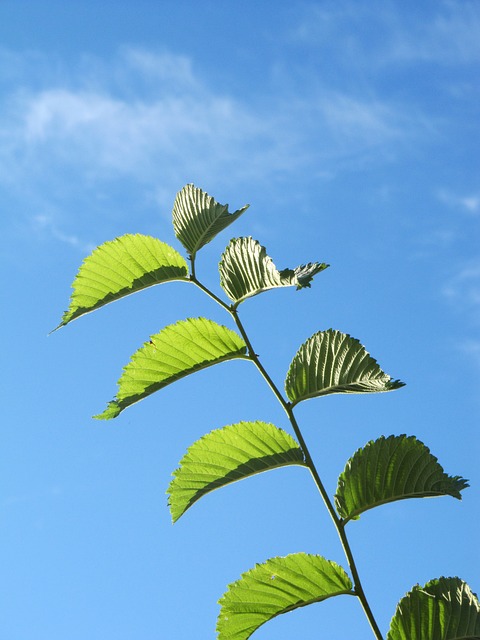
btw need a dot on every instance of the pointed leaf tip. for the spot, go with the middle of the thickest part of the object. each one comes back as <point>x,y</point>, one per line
<point>177,351</point>
<point>390,469</point>
<point>198,218</point>
<point>443,609</point>
<point>279,585</point>
<point>334,362</point>
<point>226,455</point>
<point>246,270</point>
<point>119,268</point>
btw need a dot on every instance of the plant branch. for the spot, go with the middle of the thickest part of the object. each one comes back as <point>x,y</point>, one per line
<point>209,293</point>
<point>339,525</point>
<point>313,470</point>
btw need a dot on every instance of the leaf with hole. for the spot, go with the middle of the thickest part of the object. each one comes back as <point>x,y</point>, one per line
<point>246,270</point>
<point>226,455</point>
<point>444,609</point>
<point>177,351</point>
<point>334,362</point>
<point>120,267</point>
<point>389,469</point>
<point>279,585</point>
<point>198,218</point>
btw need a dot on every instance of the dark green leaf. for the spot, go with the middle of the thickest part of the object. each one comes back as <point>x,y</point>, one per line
<point>227,455</point>
<point>278,586</point>
<point>198,218</point>
<point>389,469</point>
<point>175,352</point>
<point>121,267</point>
<point>334,362</point>
<point>246,270</point>
<point>444,609</point>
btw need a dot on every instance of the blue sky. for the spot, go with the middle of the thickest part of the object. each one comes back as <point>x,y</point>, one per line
<point>352,130</point>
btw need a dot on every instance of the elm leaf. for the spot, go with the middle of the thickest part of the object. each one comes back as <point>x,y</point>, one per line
<point>120,267</point>
<point>246,270</point>
<point>279,585</point>
<point>443,609</point>
<point>198,218</point>
<point>334,362</point>
<point>226,455</point>
<point>389,469</point>
<point>177,351</point>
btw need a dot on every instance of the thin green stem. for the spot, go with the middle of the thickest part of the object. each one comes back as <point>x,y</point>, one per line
<point>338,522</point>
<point>313,470</point>
<point>209,293</point>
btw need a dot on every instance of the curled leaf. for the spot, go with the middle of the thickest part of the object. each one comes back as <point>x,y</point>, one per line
<point>443,609</point>
<point>334,362</point>
<point>246,270</point>
<point>389,469</point>
<point>198,218</point>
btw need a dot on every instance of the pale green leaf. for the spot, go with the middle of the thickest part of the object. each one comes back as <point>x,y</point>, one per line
<point>246,270</point>
<point>444,609</point>
<point>227,455</point>
<point>198,218</point>
<point>177,351</point>
<point>120,267</point>
<point>334,362</point>
<point>278,586</point>
<point>389,469</point>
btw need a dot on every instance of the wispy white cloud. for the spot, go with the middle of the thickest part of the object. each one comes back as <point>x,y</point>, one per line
<point>472,349</point>
<point>167,117</point>
<point>463,289</point>
<point>43,224</point>
<point>469,203</point>
<point>150,118</point>
<point>446,35</point>
<point>451,37</point>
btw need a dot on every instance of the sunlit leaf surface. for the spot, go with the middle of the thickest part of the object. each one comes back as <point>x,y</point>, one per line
<point>177,351</point>
<point>334,362</point>
<point>227,455</point>
<point>444,609</point>
<point>278,586</point>
<point>246,270</point>
<point>120,267</point>
<point>389,469</point>
<point>198,218</point>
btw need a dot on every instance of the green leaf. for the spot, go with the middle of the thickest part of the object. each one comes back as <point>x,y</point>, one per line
<point>278,586</point>
<point>198,218</point>
<point>178,350</point>
<point>389,469</point>
<point>120,267</point>
<point>334,362</point>
<point>227,455</point>
<point>444,609</point>
<point>246,270</point>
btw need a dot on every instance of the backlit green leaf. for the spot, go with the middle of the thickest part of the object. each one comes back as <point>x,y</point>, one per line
<point>389,469</point>
<point>246,270</point>
<point>444,609</point>
<point>120,267</point>
<point>278,586</point>
<point>334,362</point>
<point>198,218</point>
<point>178,350</point>
<point>227,455</point>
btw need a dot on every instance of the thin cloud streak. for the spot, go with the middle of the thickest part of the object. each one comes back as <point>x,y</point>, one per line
<point>449,37</point>
<point>175,121</point>
<point>469,203</point>
<point>463,289</point>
